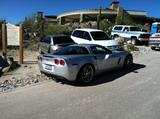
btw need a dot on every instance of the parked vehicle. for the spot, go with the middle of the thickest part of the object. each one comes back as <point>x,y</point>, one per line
<point>81,62</point>
<point>155,28</point>
<point>154,41</point>
<point>53,42</point>
<point>94,36</point>
<point>131,33</point>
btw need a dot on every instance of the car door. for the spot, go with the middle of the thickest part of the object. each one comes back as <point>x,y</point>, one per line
<point>105,60</point>
<point>125,32</point>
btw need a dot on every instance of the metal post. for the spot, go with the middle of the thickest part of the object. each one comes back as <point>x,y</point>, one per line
<point>4,44</point>
<point>21,37</point>
<point>99,18</point>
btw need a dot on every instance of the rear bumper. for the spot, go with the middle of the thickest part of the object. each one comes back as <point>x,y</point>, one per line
<point>154,44</point>
<point>69,73</point>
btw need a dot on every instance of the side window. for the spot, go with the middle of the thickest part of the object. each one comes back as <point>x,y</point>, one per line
<point>77,51</point>
<point>119,28</point>
<point>86,36</point>
<point>126,29</point>
<point>100,50</point>
<point>78,33</point>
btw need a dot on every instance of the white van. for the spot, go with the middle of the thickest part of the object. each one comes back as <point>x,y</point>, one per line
<point>94,36</point>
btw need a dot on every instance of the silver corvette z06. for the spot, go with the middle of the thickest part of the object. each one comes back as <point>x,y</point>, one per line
<point>81,62</point>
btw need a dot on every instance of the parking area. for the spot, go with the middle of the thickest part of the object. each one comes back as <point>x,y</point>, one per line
<point>128,94</point>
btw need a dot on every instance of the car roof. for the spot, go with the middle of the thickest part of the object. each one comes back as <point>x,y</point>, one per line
<point>124,26</point>
<point>60,35</point>
<point>88,29</point>
<point>85,45</point>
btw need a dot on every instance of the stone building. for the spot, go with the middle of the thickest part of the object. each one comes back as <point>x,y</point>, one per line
<point>106,13</point>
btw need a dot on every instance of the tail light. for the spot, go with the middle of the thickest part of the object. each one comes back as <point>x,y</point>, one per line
<point>57,62</point>
<point>39,58</point>
<point>62,62</point>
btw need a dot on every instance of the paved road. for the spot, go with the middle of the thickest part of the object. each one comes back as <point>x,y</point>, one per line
<point>133,94</point>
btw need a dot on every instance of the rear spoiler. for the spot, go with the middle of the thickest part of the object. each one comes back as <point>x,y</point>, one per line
<point>48,55</point>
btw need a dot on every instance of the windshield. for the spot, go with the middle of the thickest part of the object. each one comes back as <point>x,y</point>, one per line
<point>135,29</point>
<point>100,35</point>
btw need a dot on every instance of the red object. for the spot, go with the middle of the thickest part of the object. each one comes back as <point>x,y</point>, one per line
<point>39,58</point>
<point>154,37</point>
<point>56,61</point>
<point>62,62</point>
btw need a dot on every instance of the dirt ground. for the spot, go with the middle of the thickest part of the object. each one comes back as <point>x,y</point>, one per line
<point>29,67</point>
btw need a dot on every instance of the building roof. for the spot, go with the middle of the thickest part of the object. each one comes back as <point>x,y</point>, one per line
<point>51,16</point>
<point>103,11</point>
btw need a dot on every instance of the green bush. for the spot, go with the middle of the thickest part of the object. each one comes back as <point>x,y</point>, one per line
<point>55,29</point>
<point>125,20</point>
<point>106,25</point>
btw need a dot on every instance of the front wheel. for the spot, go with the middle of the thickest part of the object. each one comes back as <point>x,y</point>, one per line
<point>86,74</point>
<point>134,41</point>
<point>128,61</point>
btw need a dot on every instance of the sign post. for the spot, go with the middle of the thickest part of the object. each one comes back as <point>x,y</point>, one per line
<point>21,38</point>
<point>4,44</point>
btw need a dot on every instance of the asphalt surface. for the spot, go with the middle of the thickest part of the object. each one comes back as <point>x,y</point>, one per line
<point>120,94</point>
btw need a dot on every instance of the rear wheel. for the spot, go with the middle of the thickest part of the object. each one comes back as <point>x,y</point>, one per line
<point>128,61</point>
<point>86,74</point>
<point>153,48</point>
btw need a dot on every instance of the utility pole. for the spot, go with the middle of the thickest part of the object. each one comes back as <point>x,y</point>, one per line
<point>4,41</point>
<point>21,38</point>
<point>99,18</point>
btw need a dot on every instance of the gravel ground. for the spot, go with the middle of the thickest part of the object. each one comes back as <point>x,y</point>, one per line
<point>25,75</point>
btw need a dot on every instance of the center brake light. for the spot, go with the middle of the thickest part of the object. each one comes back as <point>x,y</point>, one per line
<point>57,62</point>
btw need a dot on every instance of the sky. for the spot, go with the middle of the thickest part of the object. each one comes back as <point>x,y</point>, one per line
<point>14,11</point>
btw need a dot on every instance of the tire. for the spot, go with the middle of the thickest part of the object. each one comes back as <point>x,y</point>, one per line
<point>128,62</point>
<point>153,48</point>
<point>86,74</point>
<point>134,41</point>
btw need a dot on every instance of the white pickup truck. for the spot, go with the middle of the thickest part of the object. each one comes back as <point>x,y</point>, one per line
<point>131,33</point>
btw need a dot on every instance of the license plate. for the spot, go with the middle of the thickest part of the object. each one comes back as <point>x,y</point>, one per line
<point>48,67</point>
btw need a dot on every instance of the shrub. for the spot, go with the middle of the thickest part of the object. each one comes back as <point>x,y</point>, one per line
<point>55,29</point>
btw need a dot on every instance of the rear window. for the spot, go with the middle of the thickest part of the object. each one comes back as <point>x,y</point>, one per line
<point>62,40</point>
<point>100,35</point>
<point>118,28</point>
<point>46,40</point>
<point>72,50</point>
